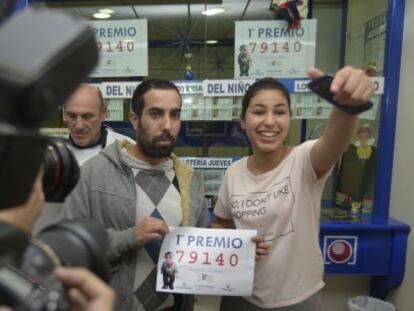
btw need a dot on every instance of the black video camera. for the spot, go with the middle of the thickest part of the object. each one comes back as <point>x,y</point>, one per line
<point>44,56</point>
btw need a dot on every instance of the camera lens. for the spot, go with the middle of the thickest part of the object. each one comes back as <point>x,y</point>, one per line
<point>30,284</point>
<point>21,155</point>
<point>78,244</point>
<point>61,170</point>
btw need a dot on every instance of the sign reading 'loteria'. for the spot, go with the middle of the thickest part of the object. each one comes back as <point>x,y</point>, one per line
<point>200,162</point>
<point>189,87</point>
<point>270,49</point>
<point>123,48</point>
<point>207,261</point>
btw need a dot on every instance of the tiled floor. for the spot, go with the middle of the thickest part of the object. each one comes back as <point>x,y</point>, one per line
<point>207,303</point>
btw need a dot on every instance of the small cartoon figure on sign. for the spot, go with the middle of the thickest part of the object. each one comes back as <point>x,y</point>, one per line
<point>244,60</point>
<point>168,270</point>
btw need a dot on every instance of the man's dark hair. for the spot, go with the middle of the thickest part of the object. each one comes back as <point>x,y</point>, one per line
<point>259,85</point>
<point>138,103</point>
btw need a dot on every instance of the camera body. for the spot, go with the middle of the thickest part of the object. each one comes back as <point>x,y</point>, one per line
<point>46,57</point>
<point>37,74</point>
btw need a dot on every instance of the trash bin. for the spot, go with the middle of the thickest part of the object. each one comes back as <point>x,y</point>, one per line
<point>364,303</point>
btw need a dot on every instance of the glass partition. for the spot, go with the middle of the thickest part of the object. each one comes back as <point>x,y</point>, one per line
<point>185,44</point>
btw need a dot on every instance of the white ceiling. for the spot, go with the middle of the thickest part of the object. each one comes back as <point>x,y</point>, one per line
<point>170,22</point>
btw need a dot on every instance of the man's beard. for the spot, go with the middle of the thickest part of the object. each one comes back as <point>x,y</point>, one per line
<point>151,148</point>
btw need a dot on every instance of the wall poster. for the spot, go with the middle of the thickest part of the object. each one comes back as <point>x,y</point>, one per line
<point>270,49</point>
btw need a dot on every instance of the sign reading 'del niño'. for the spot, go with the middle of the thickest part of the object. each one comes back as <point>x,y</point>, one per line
<point>123,48</point>
<point>207,261</point>
<point>222,88</point>
<point>270,49</point>
<point>126,89</point>
<point>117,89</point>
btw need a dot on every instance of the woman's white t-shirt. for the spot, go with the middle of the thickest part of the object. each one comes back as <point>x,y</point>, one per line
<point>284,206</point>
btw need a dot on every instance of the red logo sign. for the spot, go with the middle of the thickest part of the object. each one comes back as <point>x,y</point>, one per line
<point>340,251</point>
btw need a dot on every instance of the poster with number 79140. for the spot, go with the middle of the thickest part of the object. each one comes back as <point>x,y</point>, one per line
<point>207,261</point>
<point>271,49</point>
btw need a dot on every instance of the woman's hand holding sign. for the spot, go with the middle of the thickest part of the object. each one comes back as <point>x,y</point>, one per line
<point>262,246</point>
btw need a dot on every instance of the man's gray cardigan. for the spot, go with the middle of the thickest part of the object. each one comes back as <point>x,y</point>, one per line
<point>106,193</point>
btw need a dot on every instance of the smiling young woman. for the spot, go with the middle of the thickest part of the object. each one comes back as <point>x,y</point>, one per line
<point>288,180</point>
<point>266,120</point>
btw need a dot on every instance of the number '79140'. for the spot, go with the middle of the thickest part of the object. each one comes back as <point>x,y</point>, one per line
<point>275,47</point>
<point>204,258</point>
<point>120,46</point>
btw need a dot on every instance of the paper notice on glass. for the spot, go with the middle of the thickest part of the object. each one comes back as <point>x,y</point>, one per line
<point>122,46</point>
<point>55,132</point>
<point>270,49</point>
<point>207,261</point>
<point>115,109</point>
<point>371,113</point>
<point>187,101</point>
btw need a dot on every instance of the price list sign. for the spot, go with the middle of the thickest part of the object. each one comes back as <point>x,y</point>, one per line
<point>270,49</point>
<point>207,261</point>
<point>123,48</point>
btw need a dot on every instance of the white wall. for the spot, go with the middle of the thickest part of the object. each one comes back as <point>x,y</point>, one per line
<point>339,289</point>
<point>402,203</point>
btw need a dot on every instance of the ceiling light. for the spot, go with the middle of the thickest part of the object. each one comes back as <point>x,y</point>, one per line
<point>101,15</point>
<point>106,11</point>
<point>213,11</point>
<point>211,42</point>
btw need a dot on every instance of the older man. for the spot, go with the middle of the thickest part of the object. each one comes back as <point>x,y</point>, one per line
<point>85,111</point>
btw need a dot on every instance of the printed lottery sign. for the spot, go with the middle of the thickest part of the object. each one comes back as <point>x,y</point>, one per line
<point>207,261</point>
<point>270,49</point>
<point>123,48</point>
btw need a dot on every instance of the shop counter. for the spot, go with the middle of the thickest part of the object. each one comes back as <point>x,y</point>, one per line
<point>370,246</point>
